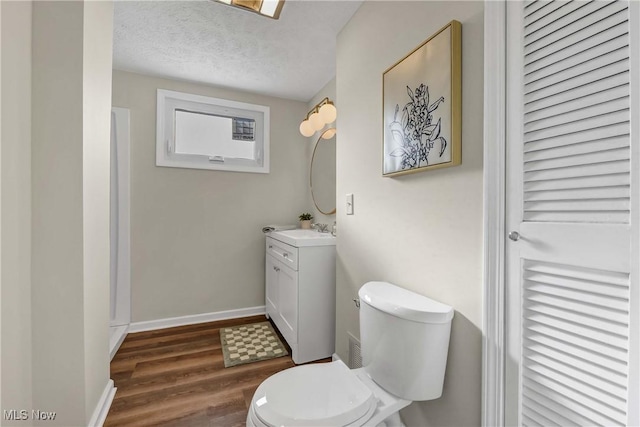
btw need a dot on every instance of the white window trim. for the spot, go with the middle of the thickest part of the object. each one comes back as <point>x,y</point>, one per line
<point>164,143</point>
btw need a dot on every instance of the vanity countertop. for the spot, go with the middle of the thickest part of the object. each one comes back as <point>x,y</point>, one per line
<point>300,238</point>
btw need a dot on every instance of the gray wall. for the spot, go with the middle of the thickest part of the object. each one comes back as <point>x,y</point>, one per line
<point>16,206</point>
<point>71,97</point>
<point>421,231</point>
<point>196,244</point>
<point>96,186</point>
<point>56,99</point>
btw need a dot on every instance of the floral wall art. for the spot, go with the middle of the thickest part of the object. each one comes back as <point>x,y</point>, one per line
<point>422,106</point>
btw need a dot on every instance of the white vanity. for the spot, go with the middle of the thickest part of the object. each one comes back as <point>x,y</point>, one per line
<point>301,291</point>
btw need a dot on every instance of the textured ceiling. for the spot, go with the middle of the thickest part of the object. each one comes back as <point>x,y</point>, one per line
<point>212,43</point>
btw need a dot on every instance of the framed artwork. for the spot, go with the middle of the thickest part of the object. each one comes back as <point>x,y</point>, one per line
<point>422,97</point>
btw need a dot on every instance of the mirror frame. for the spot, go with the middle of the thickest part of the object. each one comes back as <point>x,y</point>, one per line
<point>332,212</point>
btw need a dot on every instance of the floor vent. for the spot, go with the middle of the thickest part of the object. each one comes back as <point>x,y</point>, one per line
<point>355,355</point>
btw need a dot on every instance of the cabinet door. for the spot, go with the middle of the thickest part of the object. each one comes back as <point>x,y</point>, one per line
<point>288,302</point>
<point>271,291</point>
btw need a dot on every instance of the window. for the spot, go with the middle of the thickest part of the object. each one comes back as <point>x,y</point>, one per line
<point>200,132</point>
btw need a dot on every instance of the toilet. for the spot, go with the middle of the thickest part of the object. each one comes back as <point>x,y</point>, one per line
<point>404,344</point>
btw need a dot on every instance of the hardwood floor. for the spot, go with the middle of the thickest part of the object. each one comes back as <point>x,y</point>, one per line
<point>176,377</point>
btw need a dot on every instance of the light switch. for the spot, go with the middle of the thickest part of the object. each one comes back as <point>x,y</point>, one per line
<point>349,204</point>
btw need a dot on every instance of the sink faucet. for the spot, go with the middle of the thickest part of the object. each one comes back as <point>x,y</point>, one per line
<point>321,228</point>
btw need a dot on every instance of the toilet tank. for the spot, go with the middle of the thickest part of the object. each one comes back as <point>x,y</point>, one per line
<point>404,340</point>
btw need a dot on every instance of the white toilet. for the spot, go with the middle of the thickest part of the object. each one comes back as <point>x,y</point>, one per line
<point>405,340</point>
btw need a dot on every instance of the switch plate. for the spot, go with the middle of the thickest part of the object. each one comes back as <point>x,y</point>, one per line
<point>349,204</point>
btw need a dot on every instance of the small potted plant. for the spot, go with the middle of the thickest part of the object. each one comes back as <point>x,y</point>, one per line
<point>305,220</point>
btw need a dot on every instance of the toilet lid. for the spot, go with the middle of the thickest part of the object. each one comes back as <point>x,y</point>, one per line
<point>319,394</point>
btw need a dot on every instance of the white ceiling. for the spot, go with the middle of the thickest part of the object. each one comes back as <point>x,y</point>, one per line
<point>209,42</point>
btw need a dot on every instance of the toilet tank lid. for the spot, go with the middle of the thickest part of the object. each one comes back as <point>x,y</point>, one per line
<point>404,304</point>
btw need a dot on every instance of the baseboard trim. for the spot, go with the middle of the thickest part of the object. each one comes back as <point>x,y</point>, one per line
<point>104,404</point>
<point>151,325</point>
<point>117,336</point>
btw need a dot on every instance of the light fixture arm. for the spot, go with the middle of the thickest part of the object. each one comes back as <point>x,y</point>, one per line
<point>317,107</point>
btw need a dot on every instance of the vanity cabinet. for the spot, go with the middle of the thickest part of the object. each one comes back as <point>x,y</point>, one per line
<point>300,296</point>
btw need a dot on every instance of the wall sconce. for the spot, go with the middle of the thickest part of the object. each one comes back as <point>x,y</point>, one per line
<point>322,114</point>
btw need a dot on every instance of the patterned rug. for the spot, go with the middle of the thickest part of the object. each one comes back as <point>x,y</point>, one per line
<point>250,343</point>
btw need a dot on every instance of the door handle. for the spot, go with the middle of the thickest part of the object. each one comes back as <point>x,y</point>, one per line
<point>514,235</point>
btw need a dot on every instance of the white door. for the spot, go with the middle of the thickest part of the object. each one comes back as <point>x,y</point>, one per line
<point>572,304</point>
<point>288,302</point>
<point>120,218</point>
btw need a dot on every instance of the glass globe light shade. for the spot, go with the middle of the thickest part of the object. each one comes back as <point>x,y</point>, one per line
<point>328,113</point>
<point>329,133</point>
<point>306,129</point>
<point>316,121</point>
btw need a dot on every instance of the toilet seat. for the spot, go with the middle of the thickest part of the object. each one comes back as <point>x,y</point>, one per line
<point>320,394</point>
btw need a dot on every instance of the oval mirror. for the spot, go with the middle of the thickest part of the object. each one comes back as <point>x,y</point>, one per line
<point>322,177</point>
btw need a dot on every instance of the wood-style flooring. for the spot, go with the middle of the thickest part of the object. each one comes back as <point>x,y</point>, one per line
<point>176,377</point>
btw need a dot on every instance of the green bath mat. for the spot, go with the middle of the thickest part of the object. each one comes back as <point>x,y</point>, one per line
<point>250,343</point>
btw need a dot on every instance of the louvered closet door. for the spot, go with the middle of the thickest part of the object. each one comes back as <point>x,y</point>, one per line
<point>571,297</point>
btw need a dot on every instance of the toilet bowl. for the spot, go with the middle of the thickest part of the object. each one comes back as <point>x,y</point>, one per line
<point>328,394</point>
<point>405,339</point>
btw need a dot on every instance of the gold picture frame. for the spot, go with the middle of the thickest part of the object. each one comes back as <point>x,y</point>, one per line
<point>422,106</point>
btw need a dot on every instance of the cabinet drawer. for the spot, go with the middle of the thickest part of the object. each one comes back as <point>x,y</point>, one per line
<point>281,251</point>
